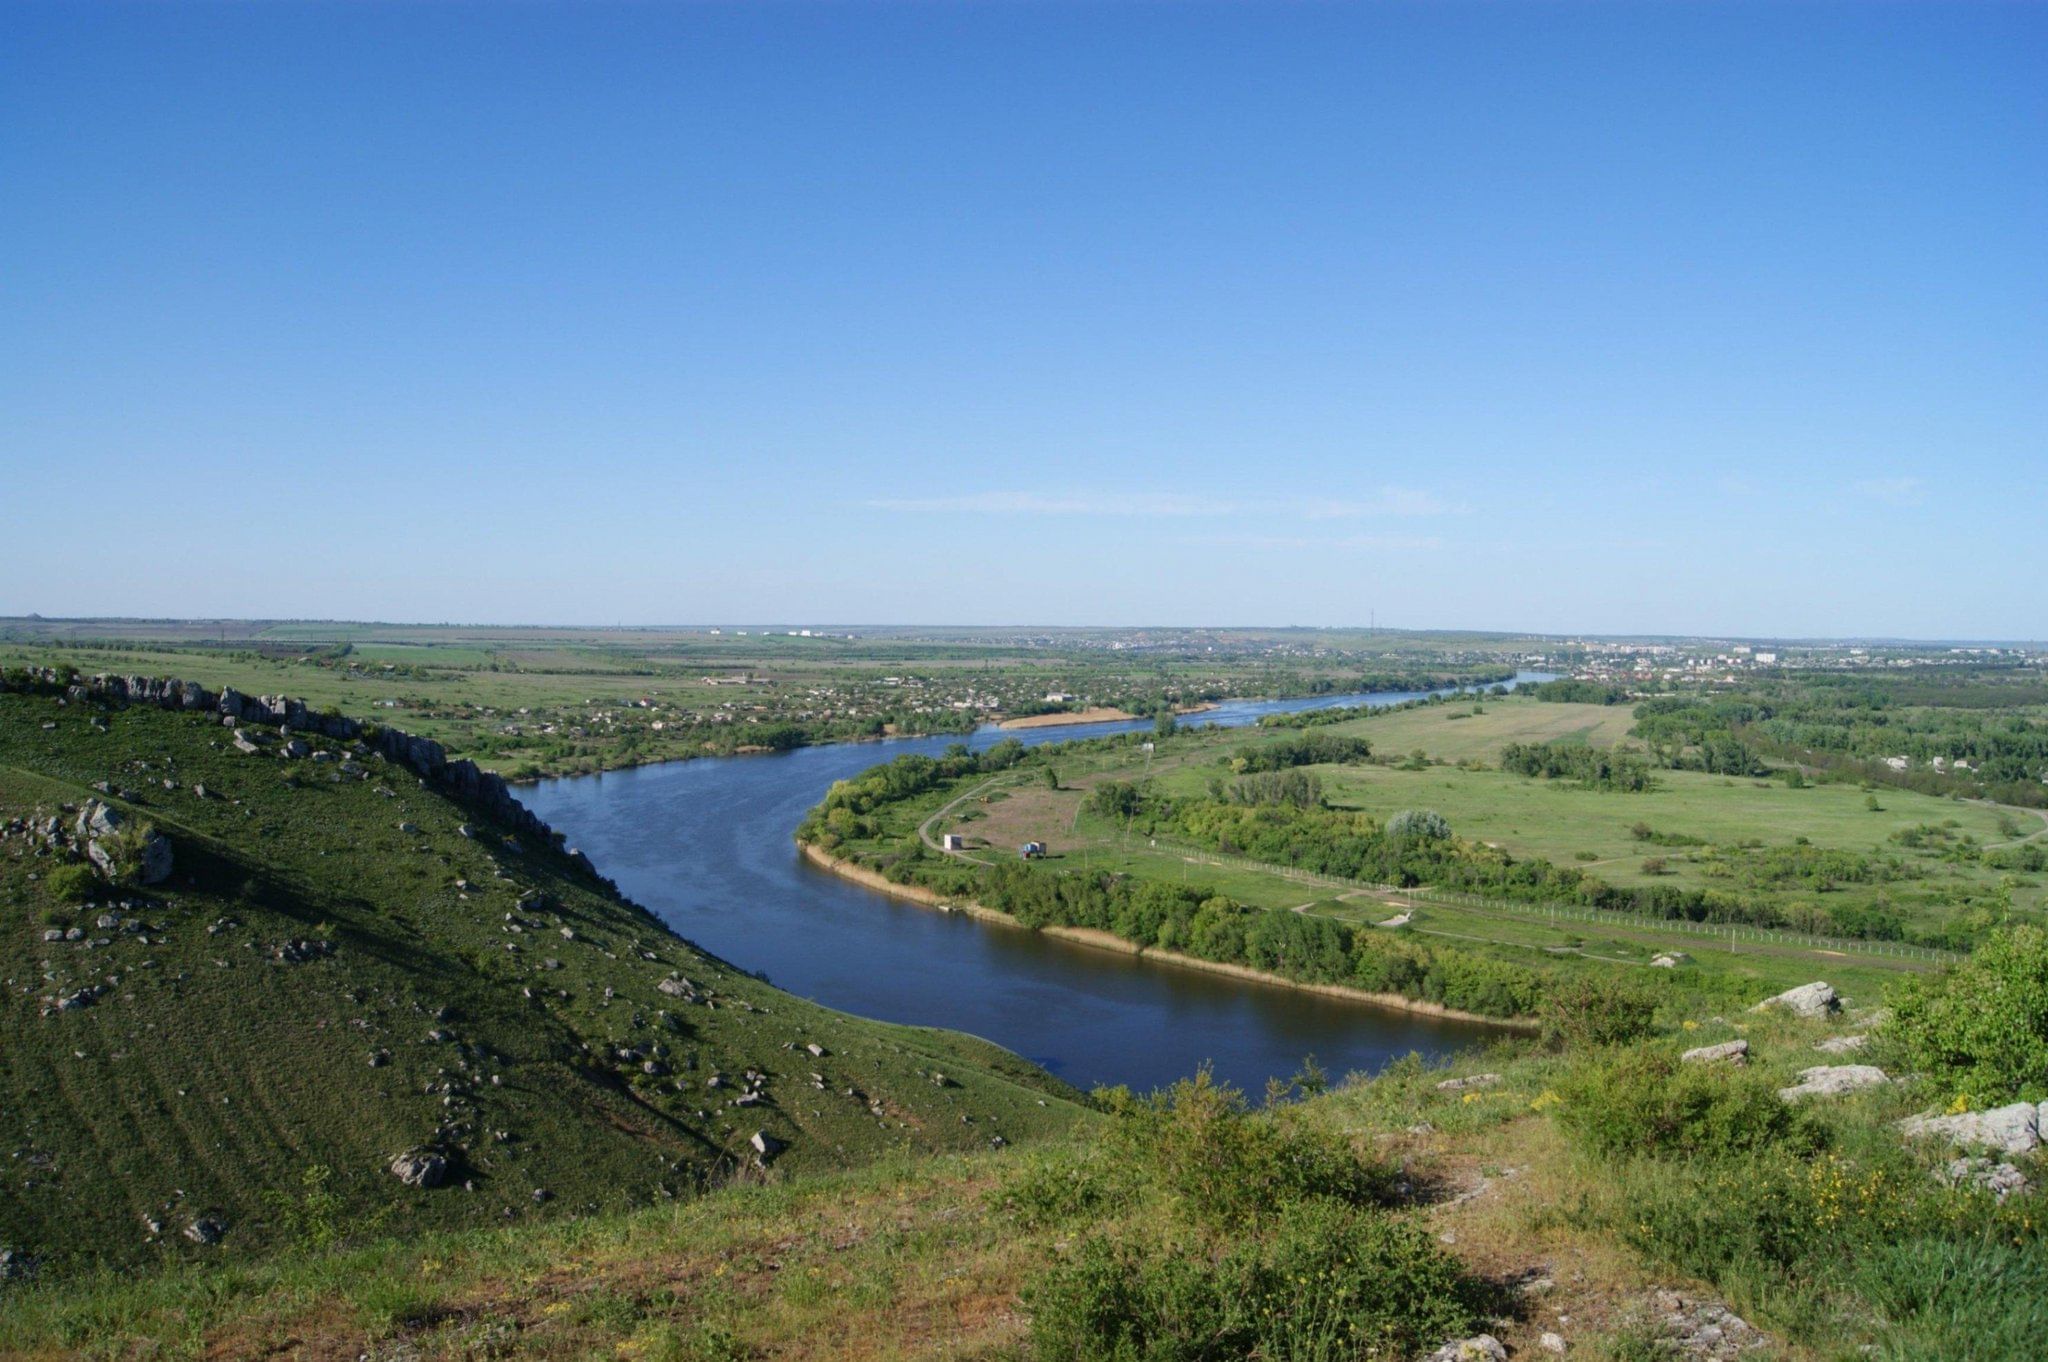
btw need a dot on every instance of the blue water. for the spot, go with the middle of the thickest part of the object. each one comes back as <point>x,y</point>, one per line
<point>706,845</point>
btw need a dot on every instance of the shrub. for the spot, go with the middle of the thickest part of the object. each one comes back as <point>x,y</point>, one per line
<point>1581,1010</point>
<point>1644,1102</point>
<point>73,882</point>
<point>1331,1282</point>
<point>1060,1186</point>
<point>1982,1025</point>
<point>1422,825</point>
<point>1228,1165</point>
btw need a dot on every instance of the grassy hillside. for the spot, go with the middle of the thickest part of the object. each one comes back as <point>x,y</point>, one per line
<point>346,964</point>
<point>1371,1221</point>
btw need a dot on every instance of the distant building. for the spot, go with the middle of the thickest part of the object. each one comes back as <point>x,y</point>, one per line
<point>953,841</point>
<point>1032,851</point>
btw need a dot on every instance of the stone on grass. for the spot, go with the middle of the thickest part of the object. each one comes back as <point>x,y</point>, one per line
<point>1825,1080</point>
<point>1808,1000</point>
<point>1474,1081</point>
<point>1842,1045</point>
<point>2014,1129</point>
<point>420,1168</point>
<point>1728,1052</point>
<point>2000,1179</point>
<point>1478,1348</point>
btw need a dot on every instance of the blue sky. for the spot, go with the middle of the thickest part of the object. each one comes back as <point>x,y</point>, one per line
<point>1616,317</point>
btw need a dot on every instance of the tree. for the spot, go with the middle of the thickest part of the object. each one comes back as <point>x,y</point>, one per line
<point>1052,779</point>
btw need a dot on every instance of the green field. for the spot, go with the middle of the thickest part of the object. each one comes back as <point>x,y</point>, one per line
<point>1814,854</point>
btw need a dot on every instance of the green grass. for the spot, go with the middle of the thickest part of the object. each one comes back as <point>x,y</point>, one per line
<point>211,1076</point>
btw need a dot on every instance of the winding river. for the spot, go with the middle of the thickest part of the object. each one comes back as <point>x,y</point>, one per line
<point>706,845</point>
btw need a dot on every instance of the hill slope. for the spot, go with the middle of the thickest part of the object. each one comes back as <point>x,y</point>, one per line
<point>350,962</point>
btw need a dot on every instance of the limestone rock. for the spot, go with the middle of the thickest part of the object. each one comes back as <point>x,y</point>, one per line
<point>1825,1080</point>
<point>1473,1081</point>
<point>1478,1348</point>
<point>766,1146</point>
<point>1705,1329</point>
<point>2000,1179</point>
<point>1842,1045</point>
<point>206,1229</point>
<point>1728,1052</point>
<point>420,1168</point>
<point>2014,1129</point>
<point>1808,1000</point>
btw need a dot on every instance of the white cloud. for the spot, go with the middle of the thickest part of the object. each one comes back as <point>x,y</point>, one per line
<point>1388,501</point>
<point>1893,491</point>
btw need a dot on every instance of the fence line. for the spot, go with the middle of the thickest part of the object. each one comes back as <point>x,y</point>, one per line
<point>1572,912</point>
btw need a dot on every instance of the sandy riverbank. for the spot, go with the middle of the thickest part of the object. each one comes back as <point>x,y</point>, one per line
<point>1100,940</point>
<point>1094,714</point>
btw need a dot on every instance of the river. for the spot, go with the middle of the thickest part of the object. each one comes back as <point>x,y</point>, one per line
<point>706,845</point>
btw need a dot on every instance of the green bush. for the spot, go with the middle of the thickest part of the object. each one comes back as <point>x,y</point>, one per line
<point>72,883</point>
<point>1331,1282</point>
<point>1230,1166</point>
<point>1981,1026</point>
<point>1060,1186</point>
<point>1642,1102</point>
<point>1581,1010</point>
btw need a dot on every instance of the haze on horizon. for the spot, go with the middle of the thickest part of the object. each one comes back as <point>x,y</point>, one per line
<point>1724,320</point>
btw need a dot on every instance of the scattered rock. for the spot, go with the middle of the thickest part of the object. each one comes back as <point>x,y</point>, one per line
<point>1479,1348</point>
<point>2000,1179</point>
<point>1833,1080</point>
<point>1705,1329</point>
<point>206,1229</point>
<point>1551,1343</point>
<point>1728,1051</point>
<point>766,1146</point>
<point>2014,1129</point>
<point>1842,1045</point>
<point>1808,1000</point>
<point>1668,960</point>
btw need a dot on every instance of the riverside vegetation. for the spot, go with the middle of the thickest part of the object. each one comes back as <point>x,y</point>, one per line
<point>1645,1178</point>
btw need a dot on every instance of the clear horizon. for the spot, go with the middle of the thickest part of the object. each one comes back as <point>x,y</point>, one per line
<point>1726,320</point>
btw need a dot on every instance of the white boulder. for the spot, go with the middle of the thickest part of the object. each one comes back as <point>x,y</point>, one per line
<point>1824,1080</point>
<point>2014,1129</point>
<point>1808,1000</point>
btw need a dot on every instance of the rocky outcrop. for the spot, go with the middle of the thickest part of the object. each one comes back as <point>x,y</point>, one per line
<point>1808,1000</point>
<point>420,1168</point>
<point>2014,1129</point>
<point>1478,1348</point>
<point>423,756</point>
<point>99,829</point>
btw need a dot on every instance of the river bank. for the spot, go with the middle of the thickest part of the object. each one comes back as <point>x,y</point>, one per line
<point>1061,718</point>
<point>1107,941</point>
